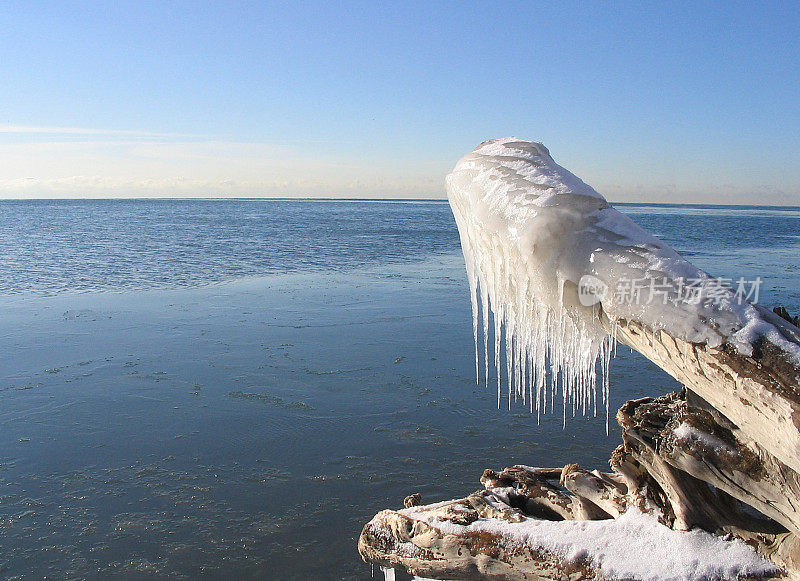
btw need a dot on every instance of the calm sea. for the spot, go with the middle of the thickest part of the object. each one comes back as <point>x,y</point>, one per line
<point>231,389</point>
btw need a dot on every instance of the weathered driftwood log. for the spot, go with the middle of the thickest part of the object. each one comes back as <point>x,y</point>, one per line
<point>758,395</point>
<point>686,440</point>
<point>723,456</point>
<point>655,430</point>
<point>534,494</point>
<point>605,491</point>
<point>410,542</point>
<point>698,473</point>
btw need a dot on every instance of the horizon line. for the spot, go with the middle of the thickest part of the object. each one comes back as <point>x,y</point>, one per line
<point>357,199</point>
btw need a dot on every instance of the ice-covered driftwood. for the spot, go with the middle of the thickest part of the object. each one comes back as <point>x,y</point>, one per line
<point>532,523</point>
<point>677,467</point>
<point>556,267</point>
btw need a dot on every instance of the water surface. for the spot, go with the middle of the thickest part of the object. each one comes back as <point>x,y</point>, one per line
<point>231,389</point>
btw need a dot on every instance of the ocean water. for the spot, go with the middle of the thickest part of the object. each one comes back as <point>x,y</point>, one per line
<point>231,389</point>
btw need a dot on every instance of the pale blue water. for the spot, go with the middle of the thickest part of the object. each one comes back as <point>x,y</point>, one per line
<point>121,245</point>
<point>231,389</point>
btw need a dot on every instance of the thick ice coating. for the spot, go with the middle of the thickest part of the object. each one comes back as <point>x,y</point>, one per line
<point>545,253</point>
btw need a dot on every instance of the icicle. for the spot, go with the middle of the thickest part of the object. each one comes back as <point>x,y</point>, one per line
<point>508,326</point>
<point>485,308</point>
<point>497,313</point>
<point>473,295</point>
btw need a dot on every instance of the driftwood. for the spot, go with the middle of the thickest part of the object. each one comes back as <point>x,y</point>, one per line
<point>392,539</point>
<point>396,540</point>
<point>723,455</point>
<point>758,395</point>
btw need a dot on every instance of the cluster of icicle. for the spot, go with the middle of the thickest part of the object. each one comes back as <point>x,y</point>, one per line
<point>530,232</point>
<point>515,280</point>
<point>540,350</point>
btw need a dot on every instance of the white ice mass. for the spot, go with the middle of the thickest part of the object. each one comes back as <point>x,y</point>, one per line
<point>538,242</point>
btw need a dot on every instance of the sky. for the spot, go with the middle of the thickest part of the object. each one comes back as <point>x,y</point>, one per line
<point>647,102</point>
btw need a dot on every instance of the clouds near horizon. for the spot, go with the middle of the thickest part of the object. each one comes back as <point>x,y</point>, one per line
<point>153,167</point>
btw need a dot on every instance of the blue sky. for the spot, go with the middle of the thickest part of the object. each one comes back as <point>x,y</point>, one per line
<point>646,102</point>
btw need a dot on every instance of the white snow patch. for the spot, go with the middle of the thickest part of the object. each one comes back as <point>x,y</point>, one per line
<point>634,546</point>
<point>530,230</point>
<point>689,433</point>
